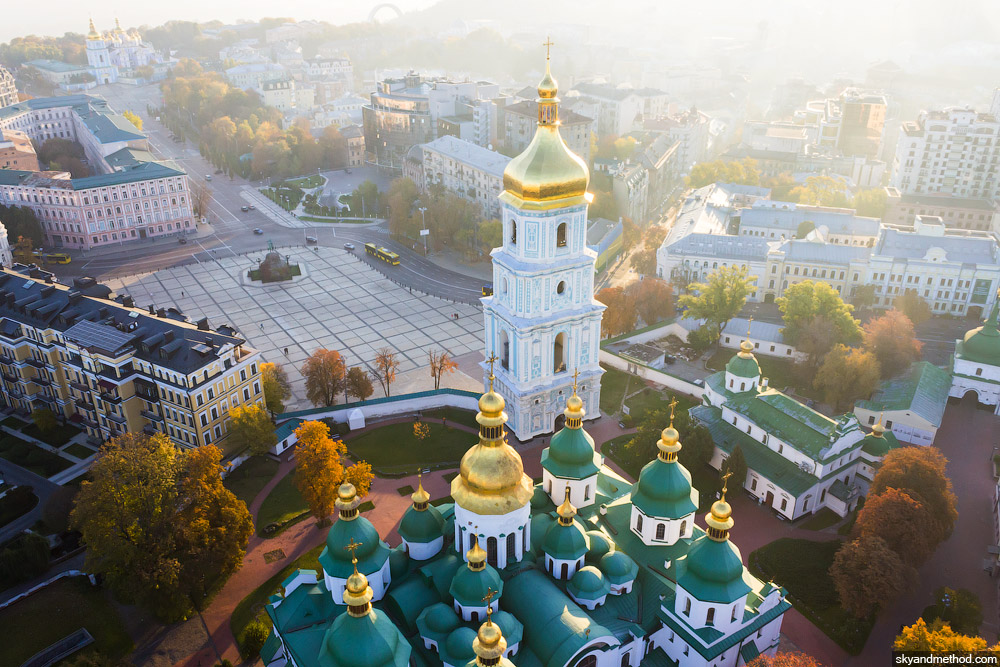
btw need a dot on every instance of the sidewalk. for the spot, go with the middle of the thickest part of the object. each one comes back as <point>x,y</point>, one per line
<point>448,259</point>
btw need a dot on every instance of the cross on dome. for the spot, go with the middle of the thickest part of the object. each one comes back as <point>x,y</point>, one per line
<point>672,404</point>
<point>353,547</point>
<point>547,43</point>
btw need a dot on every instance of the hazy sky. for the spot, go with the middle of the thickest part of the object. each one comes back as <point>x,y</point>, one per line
<point>58,16</point>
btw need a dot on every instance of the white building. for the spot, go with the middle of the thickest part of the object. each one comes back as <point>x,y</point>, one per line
<point>910,405</point>
<point>6,259</point>
<point>466,170</point>
<point>619,109</point>
<point>252,76</point>
<point>8,91</point>
<point>951,152</point>
<point>115,53</point>
<point>542,322</point>
<point>976,366</point>
<point>773,219</point>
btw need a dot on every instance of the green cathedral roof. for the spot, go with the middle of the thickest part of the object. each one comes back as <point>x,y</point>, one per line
<point>588,583</point>
<point>712,571</point>
<point>372,554</point>
<point>571,455</point>
<point>565,542</point>
<point>743,367</point>
<point>982,345</point>
<point>469,587</point>
<point>421,527</point>
<point>369,641</point>
<point>457,648</point>
<point>618,567</point>
<point>664,490</point>
<point>600,544</point>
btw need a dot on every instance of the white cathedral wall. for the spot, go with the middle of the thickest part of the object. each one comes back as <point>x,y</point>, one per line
<point>606,648</point>
<point>425,550</point>
<point>554,566</point>
<point>493,525</point>
<point>988,393</point>
<point>581,491</point>
<point>674,529</point>
<point>379,582</point>
<point>697,617</point>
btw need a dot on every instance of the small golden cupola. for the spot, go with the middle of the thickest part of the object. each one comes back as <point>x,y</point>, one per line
<point>489,643</point>
<point>357,593</point>
<point>491,478</point>
<point>93,34</point>
<point>547,174</point>
<point>720,518</point>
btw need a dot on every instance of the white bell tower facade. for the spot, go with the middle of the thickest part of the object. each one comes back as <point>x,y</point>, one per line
<point>542,321</point>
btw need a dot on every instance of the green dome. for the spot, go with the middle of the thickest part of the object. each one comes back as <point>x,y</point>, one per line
<point>421,527</point>
<point>457,649</point>
<point>469,587</point>
<point>370,641</point>
<point>619,568</point>
<point>743,367</point>
<point>600,544</point>
<point>588,584</point>
<point>439,618</point>
<point>399,562</point>
<point>879,446</point>
<point>571,455</point>
<point>372,554</point>
<point>712,571</point>
<point>982,345</point>
<point>539,500</point>
<point>511,628</point>
<point>565,542</point>
<point>664,491</point>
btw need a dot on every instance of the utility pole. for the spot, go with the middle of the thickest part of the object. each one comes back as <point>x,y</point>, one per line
<point>423,231</point>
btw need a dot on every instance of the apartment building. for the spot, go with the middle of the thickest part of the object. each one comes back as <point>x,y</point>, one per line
<point>618,108</point>
<point>8,91</point>
<point>954,152</point>
<point>254,75</point>
<point>465,169</point>
<point>519,121</point>
<point>355,136</point>
<point>690,129</point>
<point>102,363</point>
<point>956,212</point>
<point>16,151</point>
<point>853,123</point>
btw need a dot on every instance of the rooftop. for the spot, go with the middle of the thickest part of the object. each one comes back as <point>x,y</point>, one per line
<point>722,246</point>
<point>529,109</point>
<point>954,246</point>
<point>788,216</point>
<point>922,389</point>
<point>470,154</point>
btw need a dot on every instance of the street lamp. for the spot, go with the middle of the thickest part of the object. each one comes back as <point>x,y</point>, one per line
<point>423,231</point>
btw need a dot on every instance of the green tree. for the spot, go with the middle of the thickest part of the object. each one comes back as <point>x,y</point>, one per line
<point>960,609</point>
<point>401,197</point>
<point>892,340</point>
<point>816,339</point>
<point>644,261</point>
<point>805,300</point>
<point>870,203</point>
<point>847,374</point>
<point>696,440</point>
<point>864,297</point>
<point>21,222</point>
<point>741,172</point>
<point>365,199</point>
<point>254,636</point>
<point>820,191</point>
<point>913,306</point>
<point>804,228</point>
<point>736,463</point>
<point>703,338</point>
<point>868,574</point>
<point>250,427</point>
<point>277,390</point>
<point>359,383</point>
<point>490,235</point>
<point>921,472</point>
<point>44,419</point>
<point>720,299</point>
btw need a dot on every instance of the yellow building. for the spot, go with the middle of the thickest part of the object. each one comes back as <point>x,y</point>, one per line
<point>109,367</point>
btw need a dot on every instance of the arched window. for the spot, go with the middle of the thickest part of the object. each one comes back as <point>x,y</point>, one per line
<point>588,661</point>
<point>558,354</point>
<point>638,523</point>
<point>461,541</point>
<point>735,608</point>
<point>504,350</point>
<point>684,525</point>
<point>710,617</point>
<point>564,571</point>
<point>511,547</point>
<point>586,492</point>
<point>491,551</point>
<point>625,659</point>
<point>661,530</point>
<point>475,617</point>
<point>561,235</point>
<point>513,232</point>
<point>687,607</point>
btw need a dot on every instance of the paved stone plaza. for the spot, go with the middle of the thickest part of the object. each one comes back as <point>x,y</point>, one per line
<point>342,305</point>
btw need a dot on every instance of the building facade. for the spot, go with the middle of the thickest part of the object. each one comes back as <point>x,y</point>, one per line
<point>956,212</point>
<point>619,109</point>
<point>117,52</point>
<point>466,170</point>
<point>853,123</point>
<point>355,137</point>
<point>16,151</point>
<point>111,368</point>
<point>542,321</point>
<point>518,122</point>
<point>976,364</point>
<point>8,91</point>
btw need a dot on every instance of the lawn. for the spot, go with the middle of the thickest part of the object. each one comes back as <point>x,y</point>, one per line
<point>650,399</point>
<point>824,518</point>
<point>252,606</point>
<point>31,457</point>
<point>781,373</point>
<point>284,506</point>
<point>13,422</point>
<point>56,611</point>
<point>307,182</point>
<point>802,567</point>
<point>58,437</point>
<point>247,480</point>
<point>614,384</point>
<point>393,449</point>
<point>454,415</point>
<point>79,451</point>
<point>17,502</point>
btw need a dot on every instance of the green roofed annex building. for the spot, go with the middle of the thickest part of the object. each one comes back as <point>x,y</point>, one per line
<point>798,460</point>
<point>911,405</point>
<point>629,579</point>
<point>976,365</point>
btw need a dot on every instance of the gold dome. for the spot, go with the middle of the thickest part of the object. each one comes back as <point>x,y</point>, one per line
<point>347,502</point>
<point>720,517</point>
<point>491,405</point>
<point>566,511</point>
<point>489,643</point>
<point>669,443</point>
<point>357,594</point>
<point>547,174</point>
<point>475,555</point>
<point>93,34</point>
<point>420,497</point>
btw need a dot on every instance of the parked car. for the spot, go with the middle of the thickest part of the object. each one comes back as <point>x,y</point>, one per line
<point>252,207</point>
<point>312,239</point>
<point>348,246</point>
<point>244,208</point>
<point>208,177</point>
<point>699,382</point>
<point>258,231</point>
<point>182,240</point>
<point>669,358</point>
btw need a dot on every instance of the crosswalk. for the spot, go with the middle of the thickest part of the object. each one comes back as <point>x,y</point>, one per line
<point>275,213</point>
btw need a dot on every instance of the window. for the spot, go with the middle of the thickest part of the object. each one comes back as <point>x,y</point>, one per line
<point>513,232</point>
<point>511,546</point>
<point>732,619</point>
<point>561,235</point>
<point>661,530</point>
<point>979,371</point>
<point>491,551</point>
<point>710,616</point>
<point>753,484</point>
<point>558,352</point>
<point>687,606</point>
<point>504,350</point>
<point>784,504</point>
<point>888,424</point>
<point>684,525</point>
<point>638,523</point>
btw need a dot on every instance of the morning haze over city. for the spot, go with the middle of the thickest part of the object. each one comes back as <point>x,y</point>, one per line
<point>466,334</point>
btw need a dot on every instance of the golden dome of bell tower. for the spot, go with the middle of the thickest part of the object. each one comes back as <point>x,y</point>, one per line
<point>547,174</point>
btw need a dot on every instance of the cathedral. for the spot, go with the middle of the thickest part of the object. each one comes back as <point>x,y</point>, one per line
<point>116,53</point>
<point>582,569</point>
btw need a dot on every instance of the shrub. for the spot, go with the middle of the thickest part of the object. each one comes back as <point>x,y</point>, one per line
<point>254,636</point>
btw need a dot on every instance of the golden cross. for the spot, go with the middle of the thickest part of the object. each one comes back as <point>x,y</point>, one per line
<point>749,324</point>
<point>576,374</point>
<point>490,594</point>
<point>673,404</point>
<point>353,546</point>
<point>547,43</point>
<point>725,483</point>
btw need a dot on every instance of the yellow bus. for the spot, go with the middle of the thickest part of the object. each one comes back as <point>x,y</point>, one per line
<point>384,254</point>
<point>53,257</point>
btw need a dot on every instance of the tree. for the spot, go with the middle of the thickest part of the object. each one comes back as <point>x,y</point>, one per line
<point>742,172</point>
<point>804,228</point>
<point>937,637</point>
<point>364,199</point>
<point>319,470</point>
<point>913,306</point>
<point>785,660</point>
<point>654,299</point>
<point>696,441</point>
<point>360,475</point>
<point>619,317</point>
<point>201,195</point>
<point>250,427</point>
<point>920,471</point>
<point>21,222</point>
<point>892,340</point>
<point>56,511</point>
<point>254,636</point>
<point>816,339</point>
<point>819,191</point>
<point>158,524</point>
<point>805,300</point>
<point>703,338</point>
<point>868,574</point>
<point>902,521</point>
<point>870,203</point>
<point>277,390</point>
<point>440,363</point>
<point>44,419</point>
<point>421,431</point>
<point>960,609</point>
<point>736,463</point>
<point>644,261</point>
<point>385,368</point>
<point>359,383</point>
<point>23,251</point>
<point>720,299</point>
<point>133,118</point>
<point>401,196</point>
<point>324,374</point>
<point>864,297</point>
<point>846,375</point>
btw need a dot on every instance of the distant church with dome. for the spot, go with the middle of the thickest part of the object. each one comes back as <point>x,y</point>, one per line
<point>115,53</point>
<point>581,570</point>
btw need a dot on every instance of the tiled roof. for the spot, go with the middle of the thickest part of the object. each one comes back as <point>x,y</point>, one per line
<point>898,244</point>
<point>785,418</point>
<point>922,389</point>
<point>788,216</point>
<point>743,248</point>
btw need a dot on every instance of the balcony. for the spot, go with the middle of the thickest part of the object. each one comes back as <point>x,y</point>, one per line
<point>41,380</point>
<point>111,398</point>
<point>80,387</point>
<point>116,418</point>
<point>84,404</point>
<point>153,416</point>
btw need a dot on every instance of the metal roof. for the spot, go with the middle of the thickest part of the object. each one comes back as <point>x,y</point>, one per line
<point>922,389</point>
<point>102,337</point>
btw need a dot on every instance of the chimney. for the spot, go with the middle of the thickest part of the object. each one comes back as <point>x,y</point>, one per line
<point>162,312</point>
<point>763,383</point>
<point>203,324</point>
<point>128,302</point>
<point>152,309</point>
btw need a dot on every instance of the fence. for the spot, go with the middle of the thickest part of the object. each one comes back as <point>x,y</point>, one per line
<point>651,374</point>
<point>35,589</point>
